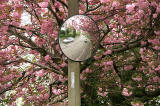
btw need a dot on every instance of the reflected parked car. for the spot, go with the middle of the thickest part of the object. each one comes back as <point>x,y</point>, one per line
<point>68,40</point>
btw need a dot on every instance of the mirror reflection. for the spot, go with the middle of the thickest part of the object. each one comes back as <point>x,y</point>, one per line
<point>78,37</point>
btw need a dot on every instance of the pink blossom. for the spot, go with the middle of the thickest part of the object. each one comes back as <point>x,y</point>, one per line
<point>43,4</point>
<point>143,43</point>
<point>155,15</point>
<point>63,64</point>
<point>128,67</point>
<point>61,78</point>
<point>106,21</point>
<point>97,57</point>
<point>21,93</point>
<point>121,20</point>
<point>40,41</point>
<point>142,4</point>
<point>47,58</point>
<point>107,68</point>
<point>156,47</point>
<point>9,77</point>
<point>56,92</point>
<point>154,41</point>
<point>108,52</point>
<point>3,16</point>
<point>105,1</point>
<point>154,4</point>
<point>125,92</point>
<point>13,47</point>
<point>104,63</point>
<point>57,67</point>
<point>34,97</point>
<point>29,98</point>
<point>4,29</point>
<point>18,6</point>
<point>102,94</point>
<point>57,4</point>
<point>137,104</point>
<point>138,33</point>
<point>141,51</point>
<point>47,26</point>
<point>150,63</point>
<point>110,63</point>
<point>100,89</point>
<point>40,87</point>
<point>15,23</point>
<point>82,77</point>
<point>128,20</point>
<point>156,79</point>
<point>99,93</point>
<point>16,0</point>
<point>53,35</point>
<point>130,7</point>
<point>45,96</point>
<point>16,15</point>
<point>137,78</point>
<point>140,13</point>
<point>115,4</point>
<point>2,1</point>
<point>158,68</point>
<point>8,85</point>
<point>43,10</point>
<point>87,70</point>
<point>57,48</point>
<point>102,75</point>
<point>0,72</point>
<point>158,10</point>
<point>105,93</point>
<point>157,32</point>
<point>40,73</point>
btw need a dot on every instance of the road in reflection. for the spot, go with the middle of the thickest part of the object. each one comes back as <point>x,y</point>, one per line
<point>79,49</point>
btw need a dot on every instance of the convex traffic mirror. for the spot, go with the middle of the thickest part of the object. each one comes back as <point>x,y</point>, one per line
<point>78,37</point>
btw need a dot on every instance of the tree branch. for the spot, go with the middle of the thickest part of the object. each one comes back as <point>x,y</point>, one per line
<point>116,69</point>
<point>59,21</point>
<point>27,40</point>
<point>92,9</point>
<point>42,66</point>
<point>10,88</point>
<point>63,3</point>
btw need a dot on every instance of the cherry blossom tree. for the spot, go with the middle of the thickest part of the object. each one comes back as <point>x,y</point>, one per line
<point>125,70</point>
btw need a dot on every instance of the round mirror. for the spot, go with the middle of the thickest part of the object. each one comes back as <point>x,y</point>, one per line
<point>78,37</point>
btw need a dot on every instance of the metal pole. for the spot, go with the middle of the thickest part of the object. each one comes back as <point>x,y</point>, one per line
<point>74,98</point>
<point>73,84</point>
